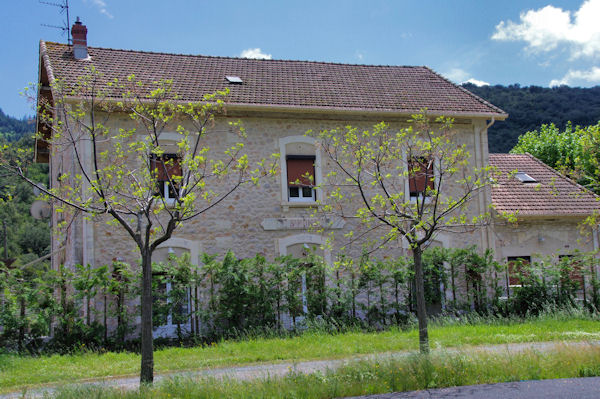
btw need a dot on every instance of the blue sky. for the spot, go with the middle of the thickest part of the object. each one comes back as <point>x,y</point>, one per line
<point>539,43</point>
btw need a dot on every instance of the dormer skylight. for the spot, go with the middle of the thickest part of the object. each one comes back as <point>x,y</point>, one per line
<point>234,79</point>
<point>525,178</point>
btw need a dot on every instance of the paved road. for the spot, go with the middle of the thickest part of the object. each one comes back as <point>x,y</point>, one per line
<point>567,388</point>
<point>280,369</point>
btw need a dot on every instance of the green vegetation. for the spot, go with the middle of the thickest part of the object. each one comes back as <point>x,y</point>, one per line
<point>415,372</point>
<point>28,238</point>
<point>18,372</point>
<point>252,296</point>
<point>573,151</point>
<point>13,129</point>
<point>530,107</point>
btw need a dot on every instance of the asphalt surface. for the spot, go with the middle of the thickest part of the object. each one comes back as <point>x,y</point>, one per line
<point>507,390</point>
<point>579,388</point>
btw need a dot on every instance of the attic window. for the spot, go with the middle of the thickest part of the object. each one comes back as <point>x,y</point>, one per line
<point>234,79</point>
<point>525,178</point>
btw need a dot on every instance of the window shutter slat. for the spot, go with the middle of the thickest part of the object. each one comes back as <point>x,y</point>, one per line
<point>420,175</point>
<point>299,170</point>
<point>168,165</point>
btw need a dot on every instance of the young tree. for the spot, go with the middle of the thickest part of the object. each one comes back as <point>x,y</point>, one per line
<point>411,184</point>
<point>129,176</point>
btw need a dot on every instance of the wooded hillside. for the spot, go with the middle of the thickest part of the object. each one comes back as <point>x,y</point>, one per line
<point>28,238</point>
<point>530,107</point>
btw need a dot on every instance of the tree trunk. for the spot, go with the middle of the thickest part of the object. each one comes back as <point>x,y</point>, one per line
<point>105,317</point>
<point>420,294</point>
<point>147,349</point>
<point>22,314</point>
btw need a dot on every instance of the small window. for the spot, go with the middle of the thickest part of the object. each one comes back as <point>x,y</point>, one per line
<point>421,178</point>
<point>166,168</point>
<point>517,268</point>
<point>525,178</point>
<point>301,178</point>
<point>234,79</point>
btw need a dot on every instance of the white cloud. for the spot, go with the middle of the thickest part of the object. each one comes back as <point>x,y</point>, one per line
<point>255,53</point>
<point>460,76</point>
<point>476,82</point>
<point>574,76</point>
<point>457,75</point>
<point>359,55</point>
<point>101,5</point>
<point>547,28</point>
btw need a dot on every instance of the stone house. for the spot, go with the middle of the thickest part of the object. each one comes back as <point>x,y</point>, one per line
<point>278,101</point>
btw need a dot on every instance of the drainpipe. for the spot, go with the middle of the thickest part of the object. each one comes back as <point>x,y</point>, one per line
<point>595,233</point>
<point>488,190</point>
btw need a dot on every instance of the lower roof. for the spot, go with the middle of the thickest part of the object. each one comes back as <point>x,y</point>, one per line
<point>551,194</point>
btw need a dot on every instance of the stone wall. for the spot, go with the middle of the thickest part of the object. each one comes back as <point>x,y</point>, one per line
<point>259,219</point>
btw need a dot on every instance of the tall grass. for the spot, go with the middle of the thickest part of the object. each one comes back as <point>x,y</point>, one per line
<point>414,372</point>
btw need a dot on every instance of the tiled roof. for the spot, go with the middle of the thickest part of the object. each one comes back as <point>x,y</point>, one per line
<point>552,195</point>
<point>279,83</point>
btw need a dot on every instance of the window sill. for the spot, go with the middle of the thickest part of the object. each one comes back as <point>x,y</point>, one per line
<point>427,200</point>
<point>298,204</point>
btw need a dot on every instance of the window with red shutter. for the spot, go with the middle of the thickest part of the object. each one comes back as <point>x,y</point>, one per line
<point>572,270</point>
<point>166,167</point>
<point>301,178</point>
<point>420,176</point>
<point>516,268</point>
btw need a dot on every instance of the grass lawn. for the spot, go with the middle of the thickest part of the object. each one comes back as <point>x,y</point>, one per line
<point>18,372</point>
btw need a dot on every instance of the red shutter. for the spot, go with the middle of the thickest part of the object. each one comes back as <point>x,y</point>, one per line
<point>168,165</point>
<point>299,170</point>
<point>515,268</point>
<point>420,172</point>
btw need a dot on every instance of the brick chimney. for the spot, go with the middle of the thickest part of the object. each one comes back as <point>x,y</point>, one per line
<point>79,34</point>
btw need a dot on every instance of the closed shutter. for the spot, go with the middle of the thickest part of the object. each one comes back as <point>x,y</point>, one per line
<point>300,171</point>
<point>166,166</point>
<point>420,175</point>
<point>515,268</point>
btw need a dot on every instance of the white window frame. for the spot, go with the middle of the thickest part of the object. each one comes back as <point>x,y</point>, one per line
<point>194,248</point>
<point>420,196</point>
<point>301,197</point>
<point>167,197</point>
<point>316,191</point>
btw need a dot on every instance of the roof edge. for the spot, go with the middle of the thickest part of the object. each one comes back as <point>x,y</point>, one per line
<point>335,110</point>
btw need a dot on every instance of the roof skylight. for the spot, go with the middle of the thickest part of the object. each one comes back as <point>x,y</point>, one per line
<point>525,178</point>
<point>234,79</point>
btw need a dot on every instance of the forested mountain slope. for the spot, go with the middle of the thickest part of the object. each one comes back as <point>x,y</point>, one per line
<point>529,107</point>
<point>12,128</point>
<point>27,238</point>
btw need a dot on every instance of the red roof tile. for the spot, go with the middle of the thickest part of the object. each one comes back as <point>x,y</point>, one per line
<point>279,83</point>
<point>552,195</point>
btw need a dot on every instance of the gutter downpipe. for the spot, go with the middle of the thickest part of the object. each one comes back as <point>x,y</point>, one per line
<point>488,190</point>
<point>485,235</point>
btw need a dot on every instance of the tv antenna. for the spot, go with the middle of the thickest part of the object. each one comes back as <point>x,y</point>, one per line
<point>64,9</point>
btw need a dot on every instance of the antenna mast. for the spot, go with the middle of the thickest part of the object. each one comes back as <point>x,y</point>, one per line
<point>64,8</point>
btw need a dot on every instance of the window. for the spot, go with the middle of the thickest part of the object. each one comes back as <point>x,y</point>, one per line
<point>525,178</point>
<point>166,169</point>
<point>301,178</point>
<point>171,301</point>
<point>300,185</point>
<point>516,268</point>
<point>421,177</point>
<point>571,270</point>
